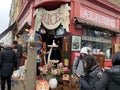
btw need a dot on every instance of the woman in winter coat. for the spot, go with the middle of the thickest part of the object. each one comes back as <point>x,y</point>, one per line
<point>7,64</point>
<point>111,78</point>
<point>78,62</point>
<point>92,73</point>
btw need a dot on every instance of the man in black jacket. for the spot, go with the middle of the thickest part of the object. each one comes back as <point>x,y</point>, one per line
<point>7,64</point>
<point>1,47</point>
<point>19,50</point>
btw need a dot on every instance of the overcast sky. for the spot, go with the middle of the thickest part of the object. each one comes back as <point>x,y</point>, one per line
<point>4,14</point>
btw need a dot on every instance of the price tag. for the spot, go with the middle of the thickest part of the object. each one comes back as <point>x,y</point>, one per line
<point>66,77</point>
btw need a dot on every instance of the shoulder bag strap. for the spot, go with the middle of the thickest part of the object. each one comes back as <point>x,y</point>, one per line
<point>78,58</point>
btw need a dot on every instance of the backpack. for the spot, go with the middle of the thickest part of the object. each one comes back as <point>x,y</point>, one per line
<point>78,68</point>
<point>78,59</point>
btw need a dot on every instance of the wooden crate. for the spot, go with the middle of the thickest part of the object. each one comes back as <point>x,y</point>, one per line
<point>67,85</point>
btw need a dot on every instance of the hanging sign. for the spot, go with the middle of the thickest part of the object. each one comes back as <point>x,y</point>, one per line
<point>52,19</point>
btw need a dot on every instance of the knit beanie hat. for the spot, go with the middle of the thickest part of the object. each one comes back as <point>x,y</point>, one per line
<point>84,50</point>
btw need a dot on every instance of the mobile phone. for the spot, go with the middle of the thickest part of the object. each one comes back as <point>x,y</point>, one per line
<point>76,75</point>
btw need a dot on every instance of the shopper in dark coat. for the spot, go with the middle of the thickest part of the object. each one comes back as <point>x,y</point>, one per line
<point>111,78</point>
<point>92,73</point>
<point>19,50</point>
<point>7,65</point>
<point>1,47</point>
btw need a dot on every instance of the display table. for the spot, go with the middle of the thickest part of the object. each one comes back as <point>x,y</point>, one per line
<point>67,85</point>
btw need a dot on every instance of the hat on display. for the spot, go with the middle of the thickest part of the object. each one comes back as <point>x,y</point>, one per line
<point>53,44</point>
<point>15,42</point>
<point>85,50</point>
<point>6,45</point>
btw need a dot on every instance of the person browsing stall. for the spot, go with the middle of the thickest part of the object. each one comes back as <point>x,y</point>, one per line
<point>19,50</point>
<point>8,63</point>
<point>93,72</point>
<point>78,62</point>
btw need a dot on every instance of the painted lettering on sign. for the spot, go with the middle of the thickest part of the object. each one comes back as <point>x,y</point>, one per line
<point>96,39</point>
<point>97,17</point>
<point>51,19</point>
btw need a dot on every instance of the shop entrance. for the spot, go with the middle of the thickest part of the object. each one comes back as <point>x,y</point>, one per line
<point>60,53</point>
<point>47,37</point>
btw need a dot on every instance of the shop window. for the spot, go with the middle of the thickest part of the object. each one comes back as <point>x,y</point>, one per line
<point>97,33</point>
<point>60,31</point>
<point>98,40</point>
<point>99,47</point>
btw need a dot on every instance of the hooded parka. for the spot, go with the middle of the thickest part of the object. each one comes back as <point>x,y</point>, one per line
<point>7,62</point>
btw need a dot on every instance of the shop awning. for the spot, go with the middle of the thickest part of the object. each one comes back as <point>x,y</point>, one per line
<point>92,24</point>
<point>25,26</point>
<point>50,4</point>
<point>10,28</point>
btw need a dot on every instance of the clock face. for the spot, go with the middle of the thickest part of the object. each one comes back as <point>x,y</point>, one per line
<point>60,31</point>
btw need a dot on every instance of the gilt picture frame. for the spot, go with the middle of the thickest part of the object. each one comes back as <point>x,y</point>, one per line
<point>76,43</point>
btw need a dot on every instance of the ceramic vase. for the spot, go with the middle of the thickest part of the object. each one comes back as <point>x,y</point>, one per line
<point>53,83</point>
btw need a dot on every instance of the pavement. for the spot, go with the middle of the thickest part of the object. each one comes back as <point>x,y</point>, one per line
<point>16,85</point>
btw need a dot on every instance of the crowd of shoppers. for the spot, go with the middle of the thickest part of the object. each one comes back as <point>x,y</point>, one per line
<point>90,76</point>
<point>95,77</point>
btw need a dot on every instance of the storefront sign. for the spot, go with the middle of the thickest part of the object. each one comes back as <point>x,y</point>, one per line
<point>52,19</point>
<point>95,39</point>
<point>98,17</point>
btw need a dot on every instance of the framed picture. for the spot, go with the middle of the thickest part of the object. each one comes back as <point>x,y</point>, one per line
<point>117,47</point>
<point>76,43</point>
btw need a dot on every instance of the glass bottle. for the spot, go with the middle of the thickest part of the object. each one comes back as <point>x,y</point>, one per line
<point>66,61</point>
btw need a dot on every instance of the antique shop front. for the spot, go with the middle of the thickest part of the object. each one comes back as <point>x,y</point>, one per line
<point>98,25</point>
<point>52,27</point>
<point>74,24</point>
